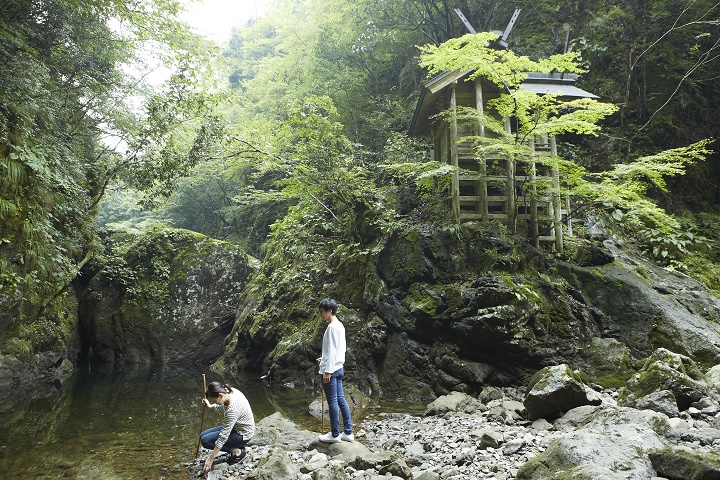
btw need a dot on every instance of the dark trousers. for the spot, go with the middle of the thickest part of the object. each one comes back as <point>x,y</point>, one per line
<point>210,436</point>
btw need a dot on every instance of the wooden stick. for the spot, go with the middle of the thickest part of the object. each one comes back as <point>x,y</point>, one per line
<point>202,421</point>
<point>322,409</point>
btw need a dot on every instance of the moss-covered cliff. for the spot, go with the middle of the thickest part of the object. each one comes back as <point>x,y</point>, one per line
<point>428,312</point>
<point>166,296</point>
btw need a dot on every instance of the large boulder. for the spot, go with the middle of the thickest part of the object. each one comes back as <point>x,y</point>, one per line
<point>665,370</point>
<point>278,430</point>
<point>277,465</point>
<point>648,307</point>
<point>713,378</point>
<point>168,296</point>
<point>677,463</point>
<point>555,390</point>
<point>610,440</point>
<point>454,402</point>
<point>607,362</point>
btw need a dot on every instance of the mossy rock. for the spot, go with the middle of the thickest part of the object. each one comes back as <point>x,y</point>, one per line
<point>684,464</point>
<point>554,390</point>
<point>665,370</point>
<point>170,296</point>
<point>403,260</point>
<point>607,362</point>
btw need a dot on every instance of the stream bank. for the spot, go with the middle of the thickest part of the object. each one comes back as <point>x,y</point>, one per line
<point>461,437</point>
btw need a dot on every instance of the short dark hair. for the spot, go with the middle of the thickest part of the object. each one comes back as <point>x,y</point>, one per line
<point>329,304</point>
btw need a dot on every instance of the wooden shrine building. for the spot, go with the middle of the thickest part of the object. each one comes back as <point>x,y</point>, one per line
<point>495,189</point>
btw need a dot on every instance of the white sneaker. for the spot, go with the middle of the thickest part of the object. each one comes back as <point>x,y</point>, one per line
<point>328,438</point>
<point>347,437</point>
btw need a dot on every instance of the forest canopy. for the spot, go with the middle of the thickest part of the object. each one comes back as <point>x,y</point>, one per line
<point>291,140</point>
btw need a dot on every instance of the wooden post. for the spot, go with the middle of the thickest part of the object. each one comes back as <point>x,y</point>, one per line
<point>568,219</point>
<point>482,184</point>
<point>510,172</point>
<point>556,197</point>
<point>202,421</point>
<point>455,188</point>
<point>534,230</point>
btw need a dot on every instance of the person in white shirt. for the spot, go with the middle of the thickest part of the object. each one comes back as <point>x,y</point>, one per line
<point>237,428</point>
<point>331,368</point>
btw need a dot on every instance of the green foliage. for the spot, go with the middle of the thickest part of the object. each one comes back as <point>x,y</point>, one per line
<point>533,115</point>
<point>501,67</point>
<point>74,117</point>
<point>621,192</point>
<point>620,195</point>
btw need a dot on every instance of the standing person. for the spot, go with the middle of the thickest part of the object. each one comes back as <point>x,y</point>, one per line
<point>331,368</point>
<point>237,428</point>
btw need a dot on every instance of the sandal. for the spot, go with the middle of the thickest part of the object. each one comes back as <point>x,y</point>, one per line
<point>233,459</point>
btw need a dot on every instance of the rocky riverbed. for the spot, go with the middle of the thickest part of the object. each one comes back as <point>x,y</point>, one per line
<point>462,437</point>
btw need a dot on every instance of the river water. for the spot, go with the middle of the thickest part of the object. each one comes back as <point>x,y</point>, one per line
<point>126,425</point>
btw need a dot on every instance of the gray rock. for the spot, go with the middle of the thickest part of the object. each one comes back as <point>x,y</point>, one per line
<point>679,423</point>
<point>541,424</point>
<point>455,401</point>
<point>574,417</point>
<point>464,455</point>
<point>513,446</point>
<point>685,464</point>
<point>348,450</point>
<point>610,439</point>
<point>488,437</point>
<point>489,394</point>
<point>554,390</point>
<point>514,406</point>
<point>396,468</point>
<point>701,436</point>
<point>332,472</point>
<point>713,378</point>
<point>275,466</point>
<point>662,401</point>
<point>217,474</point>
<point>665,370</point>
<point>278,430</point>
<point>426,475</point>
<point>705,404</point>
<point>374,460</point>
<point>415,448</point>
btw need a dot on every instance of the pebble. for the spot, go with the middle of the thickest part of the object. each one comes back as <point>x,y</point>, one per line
<point>452,446</point>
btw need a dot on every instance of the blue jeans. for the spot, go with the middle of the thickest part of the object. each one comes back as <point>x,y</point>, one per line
<point>336,401</point>
<point>210,436</point>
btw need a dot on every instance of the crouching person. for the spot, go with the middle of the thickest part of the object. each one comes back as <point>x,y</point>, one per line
<point>237,428</point>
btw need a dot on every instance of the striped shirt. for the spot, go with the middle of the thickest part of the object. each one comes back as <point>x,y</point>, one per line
<point>238,417</point>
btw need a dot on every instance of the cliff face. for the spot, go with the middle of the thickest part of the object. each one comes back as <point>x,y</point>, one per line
<point>168,296</point>
<point>171,297</point>
<point>430,313</point>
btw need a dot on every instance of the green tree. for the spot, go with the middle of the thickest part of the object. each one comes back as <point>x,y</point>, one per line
<point>621,191</point>
<point>73,120</point>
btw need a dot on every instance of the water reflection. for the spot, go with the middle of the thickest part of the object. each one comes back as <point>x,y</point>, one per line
<point>129,424</point>
<point>133,424</point>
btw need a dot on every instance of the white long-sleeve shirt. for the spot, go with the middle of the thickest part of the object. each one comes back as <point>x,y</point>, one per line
<point>333,348</point>
<point>238,417</point>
